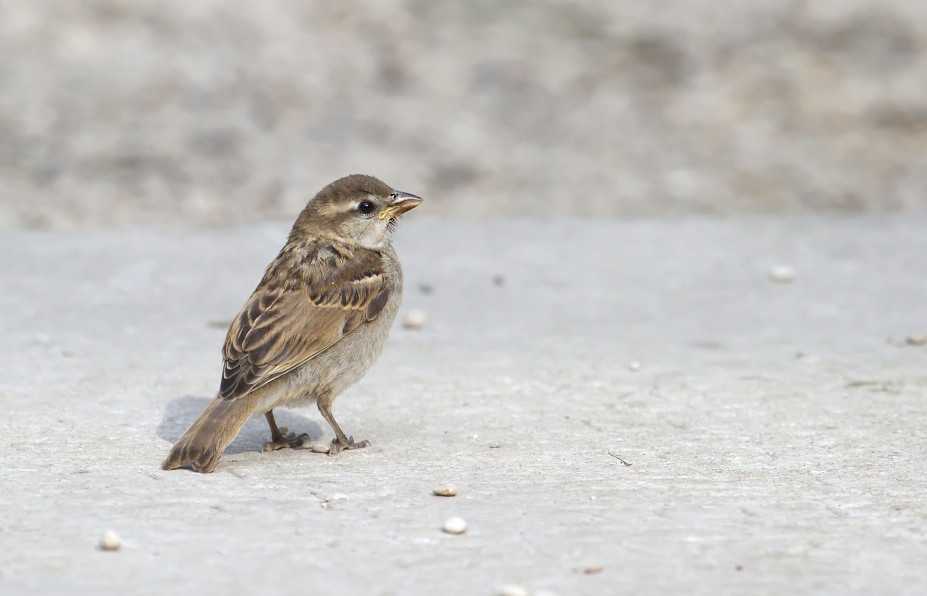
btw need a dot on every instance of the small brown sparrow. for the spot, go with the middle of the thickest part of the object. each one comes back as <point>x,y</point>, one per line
<point>314,325</point>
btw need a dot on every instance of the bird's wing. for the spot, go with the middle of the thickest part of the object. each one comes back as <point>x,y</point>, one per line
<point>292,317</point>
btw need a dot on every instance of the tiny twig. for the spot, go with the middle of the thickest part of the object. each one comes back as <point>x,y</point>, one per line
<point>618,458</point>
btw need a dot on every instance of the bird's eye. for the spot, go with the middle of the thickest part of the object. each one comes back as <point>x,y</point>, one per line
<point>366,207</point>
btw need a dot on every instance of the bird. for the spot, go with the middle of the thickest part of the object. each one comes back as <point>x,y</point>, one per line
<point>314,325</point>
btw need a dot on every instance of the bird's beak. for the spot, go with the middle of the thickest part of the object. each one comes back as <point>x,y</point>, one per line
<point>400,202</point>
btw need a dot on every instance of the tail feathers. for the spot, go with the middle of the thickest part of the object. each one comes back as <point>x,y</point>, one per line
<point>201,446</point>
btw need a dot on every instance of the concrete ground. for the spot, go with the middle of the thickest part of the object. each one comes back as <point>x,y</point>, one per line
<point>773,440</point>
<point>117,112</point>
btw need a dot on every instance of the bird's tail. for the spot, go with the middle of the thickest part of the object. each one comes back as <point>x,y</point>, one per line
<point>201,446</point>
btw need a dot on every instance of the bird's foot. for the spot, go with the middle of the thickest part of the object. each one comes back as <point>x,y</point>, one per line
<point>338,446</point>
<point>286,440</point>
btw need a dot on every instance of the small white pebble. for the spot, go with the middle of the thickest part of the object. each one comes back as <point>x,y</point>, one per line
<point>110,541</point>
<point>916,340</point>
<point>320,447</point>
<point>416,319</point>
<point>512,590</point>
<point>634,366</point>
<point>544,593</point>
<point>455,525</point>
<point>782,274</point>
<point>446,490</point>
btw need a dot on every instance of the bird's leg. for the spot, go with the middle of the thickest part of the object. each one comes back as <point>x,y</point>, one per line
<point>277,440</point>
<point>341,441</point>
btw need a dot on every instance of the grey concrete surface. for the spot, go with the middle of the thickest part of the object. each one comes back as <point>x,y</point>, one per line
<point>119,112</point>
<point>774,435</point>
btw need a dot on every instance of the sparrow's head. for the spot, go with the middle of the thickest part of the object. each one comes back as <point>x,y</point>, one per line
<point>357,209</point>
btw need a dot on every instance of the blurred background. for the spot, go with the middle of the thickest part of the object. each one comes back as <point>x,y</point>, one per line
<point>210,112</point>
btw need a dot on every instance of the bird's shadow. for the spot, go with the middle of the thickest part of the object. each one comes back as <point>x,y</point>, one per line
<point>182,411</point>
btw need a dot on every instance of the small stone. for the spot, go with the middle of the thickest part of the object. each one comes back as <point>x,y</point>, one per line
<point>782,274</point>
<point>592,570</point>
<point>916,340</point>
<point>498,281</point>
<point>416,319</point>
<point>320,447</point>
<point>110,541</point>
<point>634,366</point>
<point>495,445</point>
<point>512,590</point>
<point>446,490</point>
<point>455,525</point>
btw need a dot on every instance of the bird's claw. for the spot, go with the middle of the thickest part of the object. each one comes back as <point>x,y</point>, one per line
<point>337,446</point>
<point>290,441</point>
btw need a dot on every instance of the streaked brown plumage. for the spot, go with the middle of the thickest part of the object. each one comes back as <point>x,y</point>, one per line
<point>314,325</point>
